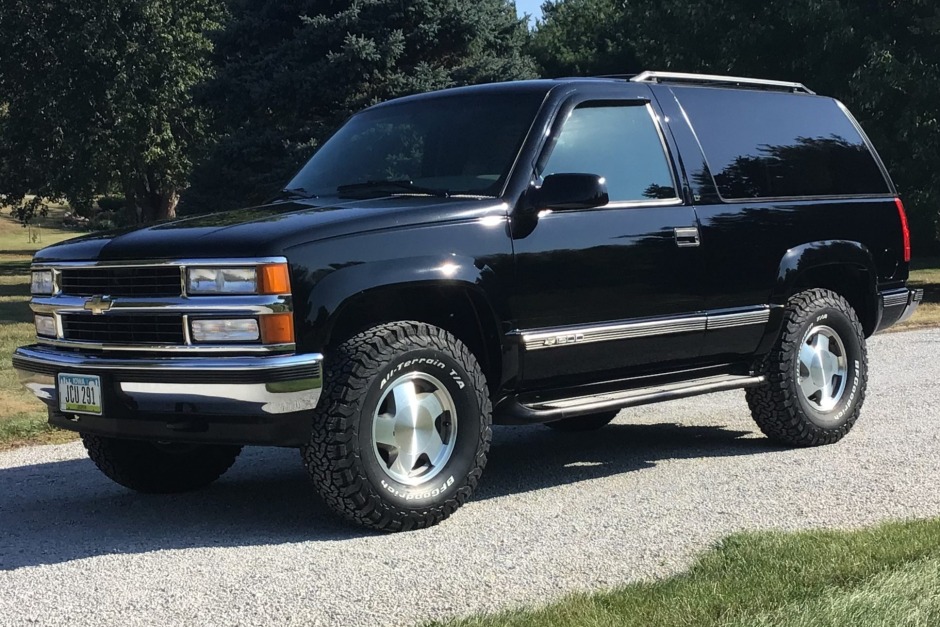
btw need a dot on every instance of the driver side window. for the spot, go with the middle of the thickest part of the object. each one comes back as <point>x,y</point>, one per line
<point>620,143</point>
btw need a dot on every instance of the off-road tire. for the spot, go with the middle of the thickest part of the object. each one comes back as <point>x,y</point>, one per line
<point>159,468</point>
<point>590,422</point>
<point>778,405</point>
<point>339,457</point>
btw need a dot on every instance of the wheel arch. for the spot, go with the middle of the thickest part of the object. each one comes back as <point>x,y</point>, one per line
<point>842,266</point>
<point>450,293</point>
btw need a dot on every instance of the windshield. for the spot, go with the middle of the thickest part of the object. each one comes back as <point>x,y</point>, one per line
<point>457,145</point>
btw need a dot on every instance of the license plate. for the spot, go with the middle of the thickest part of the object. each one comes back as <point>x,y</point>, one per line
<point>80,393</point>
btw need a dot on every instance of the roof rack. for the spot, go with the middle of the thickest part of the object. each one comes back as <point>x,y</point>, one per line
<point>713,79</point>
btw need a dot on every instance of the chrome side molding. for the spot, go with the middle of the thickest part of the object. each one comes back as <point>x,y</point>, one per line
<point>539,339</point>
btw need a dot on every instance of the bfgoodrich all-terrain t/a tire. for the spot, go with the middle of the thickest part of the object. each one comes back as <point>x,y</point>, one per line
<point>402,429</point>
<point>816,374</point>
<point>159,468</point>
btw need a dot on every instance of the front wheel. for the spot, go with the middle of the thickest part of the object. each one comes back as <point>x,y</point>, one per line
<point>159,468</point>
<point>816,374</point>
<point>402,430</point>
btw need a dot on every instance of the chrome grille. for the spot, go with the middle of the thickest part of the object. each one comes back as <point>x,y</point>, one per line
<point>121,281</point>
<point>159,329</point>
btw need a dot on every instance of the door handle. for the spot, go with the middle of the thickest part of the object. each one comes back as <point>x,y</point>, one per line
<point>686,236</point>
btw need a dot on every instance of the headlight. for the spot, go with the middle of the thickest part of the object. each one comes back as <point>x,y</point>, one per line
<point>41,283</point>
<point>214,330</point>
<point>222,281</point>
<point>45,326</point>
<point>265,279</point>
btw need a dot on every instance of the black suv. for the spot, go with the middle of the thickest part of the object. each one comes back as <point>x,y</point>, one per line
<point>532,252</point>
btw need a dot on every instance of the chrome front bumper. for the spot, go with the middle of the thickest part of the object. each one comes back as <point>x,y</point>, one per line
<point>243,399</point>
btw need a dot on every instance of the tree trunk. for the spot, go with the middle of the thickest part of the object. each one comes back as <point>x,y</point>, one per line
<point>152,206</point>
<point>167,205</point>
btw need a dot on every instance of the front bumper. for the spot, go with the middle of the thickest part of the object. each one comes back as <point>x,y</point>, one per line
<point>230,400</point>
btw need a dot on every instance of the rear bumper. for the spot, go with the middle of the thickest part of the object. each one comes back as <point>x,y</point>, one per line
<point>898,306</point>
<point>232,400</point>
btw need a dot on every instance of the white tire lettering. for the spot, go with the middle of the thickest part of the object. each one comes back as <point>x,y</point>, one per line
<point>411,496</point>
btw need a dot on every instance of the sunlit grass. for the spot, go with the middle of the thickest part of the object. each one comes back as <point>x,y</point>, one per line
<point>925,275</point>
<point>22,416</point>
<point>889,575</point>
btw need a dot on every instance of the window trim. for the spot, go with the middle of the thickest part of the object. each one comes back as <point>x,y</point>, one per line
<point>558,126</point>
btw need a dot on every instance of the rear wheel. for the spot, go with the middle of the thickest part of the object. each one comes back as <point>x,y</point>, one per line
<point>816,374</point>
<point>590,422</point>
<point>402,430</point>
<point>159,468</point>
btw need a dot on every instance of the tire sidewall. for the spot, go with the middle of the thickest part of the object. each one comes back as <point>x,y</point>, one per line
<point>452,476</point>
<point>852,395</point>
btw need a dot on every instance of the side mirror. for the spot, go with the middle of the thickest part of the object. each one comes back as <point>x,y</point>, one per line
<point>570,191</point>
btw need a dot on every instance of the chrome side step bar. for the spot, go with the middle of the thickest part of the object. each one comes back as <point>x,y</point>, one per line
<point>520,411</point>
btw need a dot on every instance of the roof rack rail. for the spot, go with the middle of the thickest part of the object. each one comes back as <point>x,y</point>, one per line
<point>714,79</point>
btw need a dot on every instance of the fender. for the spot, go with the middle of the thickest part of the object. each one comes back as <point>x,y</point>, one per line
<point>345,286</point>
<point>799,260</point>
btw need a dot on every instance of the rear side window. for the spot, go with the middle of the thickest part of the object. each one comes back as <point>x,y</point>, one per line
<point>620,143</point>
<point>775,145</point>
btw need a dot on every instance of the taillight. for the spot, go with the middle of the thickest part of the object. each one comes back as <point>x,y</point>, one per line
<point>905,231</point>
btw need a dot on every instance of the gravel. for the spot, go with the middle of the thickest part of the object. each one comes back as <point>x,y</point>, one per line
<point>555,513</point>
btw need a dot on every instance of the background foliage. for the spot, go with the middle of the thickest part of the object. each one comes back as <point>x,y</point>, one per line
<point>97,95</point>
<point>290,71</point>
<point>222,100</point>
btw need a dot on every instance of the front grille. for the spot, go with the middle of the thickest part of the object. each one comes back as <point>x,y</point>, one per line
<point>121,281</point>
<point>164,329</point>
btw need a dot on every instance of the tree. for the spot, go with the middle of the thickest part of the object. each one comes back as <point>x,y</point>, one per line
<point>97,96</point>
<point>880,57</point>
<point>582,39</point>
<point>290,72</point>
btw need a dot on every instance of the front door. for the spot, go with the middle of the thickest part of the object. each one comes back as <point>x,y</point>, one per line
<point>613,291</point>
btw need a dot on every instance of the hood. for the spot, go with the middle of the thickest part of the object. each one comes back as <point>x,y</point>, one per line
<point>264,231</point>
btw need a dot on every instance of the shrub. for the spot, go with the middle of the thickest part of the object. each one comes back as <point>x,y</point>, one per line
<point>111,203</point>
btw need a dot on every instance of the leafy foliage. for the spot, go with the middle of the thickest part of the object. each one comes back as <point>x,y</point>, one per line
<point>582,38</point>
<point>291,72</point>
<point>97,96</point>
<point>880,57</point>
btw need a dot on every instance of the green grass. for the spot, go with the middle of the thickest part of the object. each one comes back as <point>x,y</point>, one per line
<point>925,274</point>
<point>889,575</point>
<point>17,239</point>
<point>23,417</point>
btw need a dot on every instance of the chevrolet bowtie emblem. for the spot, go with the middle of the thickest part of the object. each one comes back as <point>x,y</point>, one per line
<point>97,305</point>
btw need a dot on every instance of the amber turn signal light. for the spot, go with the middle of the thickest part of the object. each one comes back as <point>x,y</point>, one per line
<point>273,279</point>
<point>277,328</point>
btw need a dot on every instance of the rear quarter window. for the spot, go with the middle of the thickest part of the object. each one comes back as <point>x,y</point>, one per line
<point>778,145</point>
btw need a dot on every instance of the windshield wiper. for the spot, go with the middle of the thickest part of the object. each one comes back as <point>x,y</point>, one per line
<point>379,186</point>
<point>293,193</point>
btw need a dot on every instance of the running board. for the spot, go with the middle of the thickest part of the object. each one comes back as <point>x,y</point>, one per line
<point>519,411</point>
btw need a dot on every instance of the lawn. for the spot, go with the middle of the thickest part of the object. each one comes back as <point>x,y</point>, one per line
<point>925,274</point>
<point>17,239</point>
<point>23,419</point>
<point>889,575</point>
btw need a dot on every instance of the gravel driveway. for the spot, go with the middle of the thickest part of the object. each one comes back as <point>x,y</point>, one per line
<point>555,513</point>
